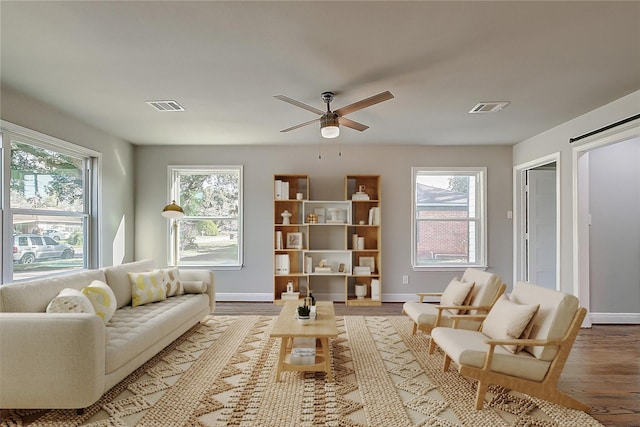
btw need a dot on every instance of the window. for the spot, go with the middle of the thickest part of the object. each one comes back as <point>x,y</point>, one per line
<point>51,194</point>
<point>448,218</point>
<point>210,233</point>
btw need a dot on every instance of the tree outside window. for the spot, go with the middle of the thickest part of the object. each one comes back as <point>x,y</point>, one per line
<point>49,193</point>
<point>210,233</point>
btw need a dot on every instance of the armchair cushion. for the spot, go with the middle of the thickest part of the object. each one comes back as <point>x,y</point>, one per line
<point>508,320</point>
<point>469,348</point>
<point>456,293</point>
<point>554,317</point>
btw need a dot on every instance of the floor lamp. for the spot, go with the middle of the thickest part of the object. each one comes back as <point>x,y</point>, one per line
<point>174,213</point>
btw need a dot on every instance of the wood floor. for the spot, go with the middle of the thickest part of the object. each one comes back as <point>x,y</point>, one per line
<point>603,369</point>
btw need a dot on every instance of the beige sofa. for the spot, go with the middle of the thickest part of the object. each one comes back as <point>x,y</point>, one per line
<point>68,360</point>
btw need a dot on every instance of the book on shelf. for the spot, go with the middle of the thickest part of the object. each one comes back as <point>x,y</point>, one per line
<point>374,216</point>
<point>360,196</point>
<point>303,356</point>
<point>290,296</point>
<point>375,289</point>
<point>361,271</point>
<point>323,270</point>
<point>282,264</point>
<point>281,189</point>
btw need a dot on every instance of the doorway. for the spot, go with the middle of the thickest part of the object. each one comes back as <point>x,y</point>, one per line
<point>606,211</point>
<point>536,230</point>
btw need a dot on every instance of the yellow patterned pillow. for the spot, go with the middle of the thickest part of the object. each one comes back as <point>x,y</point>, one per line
<point>147,287</point>
<point>102,299</point>
<point>171,277</point>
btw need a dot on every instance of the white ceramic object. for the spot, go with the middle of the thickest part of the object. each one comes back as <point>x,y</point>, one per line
<point>361,291</point>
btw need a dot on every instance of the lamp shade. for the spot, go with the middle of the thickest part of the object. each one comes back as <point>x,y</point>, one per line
<point>172,211</point>
<point>329,125</point>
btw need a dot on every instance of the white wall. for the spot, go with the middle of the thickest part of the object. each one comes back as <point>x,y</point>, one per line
<point>117,219</point>
<point>614,206</point>
<point>556,140</point>
<point>393,163</point>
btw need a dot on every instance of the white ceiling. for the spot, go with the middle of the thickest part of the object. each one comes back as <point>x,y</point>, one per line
<point>224,61</point>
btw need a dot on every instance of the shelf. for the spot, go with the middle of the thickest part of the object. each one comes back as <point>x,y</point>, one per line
<point>331,238</point>
<point>352,301</point>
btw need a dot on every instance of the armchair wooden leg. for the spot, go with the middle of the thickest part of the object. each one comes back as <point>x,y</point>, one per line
<point>480,394</point>
<point>447,362</point>
<point>432,346</point>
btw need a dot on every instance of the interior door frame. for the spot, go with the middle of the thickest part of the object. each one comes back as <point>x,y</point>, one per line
<point>580,213</point>
<point>520,212</point>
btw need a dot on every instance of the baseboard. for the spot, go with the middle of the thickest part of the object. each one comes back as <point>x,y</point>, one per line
<point>267,297</point>
<point>244,297</point>
<point>615,318</point>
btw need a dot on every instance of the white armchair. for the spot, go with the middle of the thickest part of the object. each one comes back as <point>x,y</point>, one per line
<point>523,345</point>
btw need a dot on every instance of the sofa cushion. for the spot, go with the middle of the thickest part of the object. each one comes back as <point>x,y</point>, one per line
<point>147,287</point>
<point>194,286</point>
<point>133,330</point>
<point>118,279</point>
<point>172,282</point>
<point>553,318</point>
<point>70,301</point>
<point>456,293</point>
<point>508,320</point>
<point>102,299</point>
<point>469,348</point>
<point>33,296</point>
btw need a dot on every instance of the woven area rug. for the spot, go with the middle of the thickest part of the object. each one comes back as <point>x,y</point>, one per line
<point>222,373</point>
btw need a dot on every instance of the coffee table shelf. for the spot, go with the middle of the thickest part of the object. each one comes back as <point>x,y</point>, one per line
<point>323,328</point>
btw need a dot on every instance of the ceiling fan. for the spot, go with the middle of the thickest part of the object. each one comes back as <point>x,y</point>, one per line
<point>330,120</point>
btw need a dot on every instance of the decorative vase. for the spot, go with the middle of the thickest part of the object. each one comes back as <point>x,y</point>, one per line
<point>361,291</point>
<point>285,217</point>
<point>304,320</point>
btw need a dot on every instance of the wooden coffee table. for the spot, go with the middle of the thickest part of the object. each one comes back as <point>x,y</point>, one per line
<point>288,328</point>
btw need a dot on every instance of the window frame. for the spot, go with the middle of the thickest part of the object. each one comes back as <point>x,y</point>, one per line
<point>91,161</point>
<point>174,171</point>
<point>480,174</point>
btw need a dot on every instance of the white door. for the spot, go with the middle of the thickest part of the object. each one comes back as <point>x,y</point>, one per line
<point>541,227</point>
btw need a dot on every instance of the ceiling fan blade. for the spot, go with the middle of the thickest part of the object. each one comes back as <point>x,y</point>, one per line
<point>372,100</point>
<point>301,125</point>
<point>299,104</point>
<point>351,124</point>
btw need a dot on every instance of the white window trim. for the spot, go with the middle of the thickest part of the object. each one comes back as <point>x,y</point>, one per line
<point>94,205</point>
<point>173,170</point>
<point>482,259</point>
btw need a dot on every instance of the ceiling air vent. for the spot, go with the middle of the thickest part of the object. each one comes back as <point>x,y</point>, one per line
<point>489,107</point>
<point>166,105</point>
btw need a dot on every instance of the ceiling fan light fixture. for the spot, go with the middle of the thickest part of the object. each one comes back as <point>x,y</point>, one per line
<point>329,125</point>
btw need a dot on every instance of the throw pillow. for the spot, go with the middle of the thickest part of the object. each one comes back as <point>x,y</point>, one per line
<point>194,286</point>
<point>508,320</point>
<point>456,294</point>
<point>147,287</point>
<point>70,301</point>
<point>171,278</point>
<point>102,299</point>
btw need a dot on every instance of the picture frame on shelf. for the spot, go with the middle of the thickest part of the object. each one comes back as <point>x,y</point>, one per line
<point>294,240</point>
<point>368,261</point>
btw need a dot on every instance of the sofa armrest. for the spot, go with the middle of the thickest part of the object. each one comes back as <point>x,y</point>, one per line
<point>51,360</point>
<point>207,277</point>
